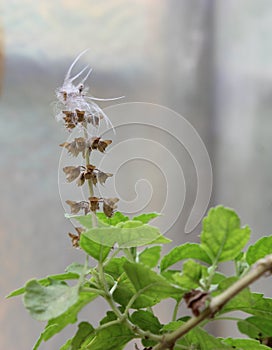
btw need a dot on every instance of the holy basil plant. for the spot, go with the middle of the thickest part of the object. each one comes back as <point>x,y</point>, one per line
<point>125,266</point>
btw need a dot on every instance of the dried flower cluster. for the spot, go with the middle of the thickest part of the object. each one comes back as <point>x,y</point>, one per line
<point>77,110</point>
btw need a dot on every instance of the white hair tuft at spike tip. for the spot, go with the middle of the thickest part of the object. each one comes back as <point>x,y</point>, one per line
<point>74,102</point>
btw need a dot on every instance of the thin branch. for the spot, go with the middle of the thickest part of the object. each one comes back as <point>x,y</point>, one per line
<point>261,267</point>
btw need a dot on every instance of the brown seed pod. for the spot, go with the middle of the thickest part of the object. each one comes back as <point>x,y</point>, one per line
<point>94,202</point>
<point>196,300</point>
<point>88,172</point>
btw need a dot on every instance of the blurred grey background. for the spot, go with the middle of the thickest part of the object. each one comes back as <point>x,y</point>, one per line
<point>208,60</point>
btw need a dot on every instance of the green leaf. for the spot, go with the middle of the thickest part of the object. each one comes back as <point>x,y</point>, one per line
<point>94,249</point>
<point>114,337</point>
<point>185,251</point>
<point>259,250</point>
<point>197,338</point>
<point>171,326</point>
<point>55,325</point>
<point>114,220</point>
<point>146,321</point>
<point>203,340</point>
<point>150,283</point>
<point>245,344</point>
<point>255,327</point>
<point>222,237</point>
<point>242,300</point>
<point>75,268</point>
<point>251,303</point>
<point>192,273</point>
<point>86,220</point>
<point>115,267</point>
<point>145,218</point>
<point>258,306</point>
<point>125,234</point>
<point>45,303</point>
<point>66,346</point>
<point>160,240</point>
<point>85,329</point>
<point>47,281</point>
<point>150,256</point>
<point>125,291</point>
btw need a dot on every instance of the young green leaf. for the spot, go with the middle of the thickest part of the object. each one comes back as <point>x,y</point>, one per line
<point>259,250</point>
<point>150,256</point>
<point>222,237</point>
<point>185,251</point>
<point>192,273</point>
<point>145,218</point>
<point>55,325</point>
<point>255,327</point>
<point>45,303</point>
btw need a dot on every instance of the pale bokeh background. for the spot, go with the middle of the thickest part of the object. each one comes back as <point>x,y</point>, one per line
<point>208,60</point>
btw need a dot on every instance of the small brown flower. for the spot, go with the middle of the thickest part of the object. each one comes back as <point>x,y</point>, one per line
<point>94,178</point>
<point>102,177</point>
<point>196,300</point>
<point>77,206</point>
<point>103,144</point>
<point>69,119</point>
<point>75,238</point>
<point>93,119</point>
<point>72,172</point>
<point>94,202</point>
<point>76,146</point>
<point>80,116</point>
<point>109,205</point>
<point>93,142</point>
<point>81,179</point>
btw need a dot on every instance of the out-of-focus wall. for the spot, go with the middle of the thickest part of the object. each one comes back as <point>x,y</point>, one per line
<point>207,60</point>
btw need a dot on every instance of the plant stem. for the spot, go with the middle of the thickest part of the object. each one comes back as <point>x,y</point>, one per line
<point>89,181</point>
<point>175,312</point>
<point>261,267</point>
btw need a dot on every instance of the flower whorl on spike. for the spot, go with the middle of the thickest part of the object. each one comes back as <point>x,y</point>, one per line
<point>77,108</point>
